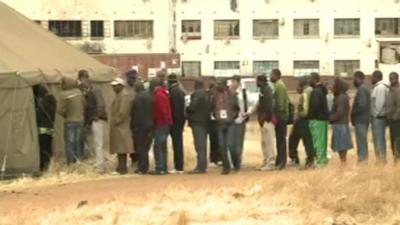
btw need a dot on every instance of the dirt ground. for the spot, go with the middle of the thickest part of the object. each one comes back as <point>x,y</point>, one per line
<point>332,195</point>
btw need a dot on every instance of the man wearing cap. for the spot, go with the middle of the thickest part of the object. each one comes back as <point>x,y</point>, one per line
<point>177,100</point>
<point>120,133</point>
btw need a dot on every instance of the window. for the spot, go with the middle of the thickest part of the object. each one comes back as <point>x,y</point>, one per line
<point>346,67</point>
<point>387,26</point>
<point>265,28</point>
<point>133,29</point>
<point>97,28</point>
<point>226,28</point>
<point>191,69</point>
<point>304,68</point>
<point>66,28</point>
<point>306,28</point>
<point>226,68</point>
<point>389,52</point>
<point>260,67</point>
<point>191,29</point>
<point>347,27</point>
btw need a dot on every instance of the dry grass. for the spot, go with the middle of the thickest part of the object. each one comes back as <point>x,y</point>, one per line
<point>333,195</point>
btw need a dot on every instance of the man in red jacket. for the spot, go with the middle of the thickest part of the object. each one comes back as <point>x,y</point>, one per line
<point>162,122</point>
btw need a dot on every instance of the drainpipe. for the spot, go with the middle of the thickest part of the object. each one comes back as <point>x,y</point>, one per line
<point>172,25</point>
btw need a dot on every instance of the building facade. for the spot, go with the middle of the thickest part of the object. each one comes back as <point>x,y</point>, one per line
<point>225,37</point>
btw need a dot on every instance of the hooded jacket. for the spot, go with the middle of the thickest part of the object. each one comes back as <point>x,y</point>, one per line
<point>341,103</point>
<point>199,109</point>
<point>177,100</point>
<point>318,109</point>
<point>71,104</point>
<point>162,108</point>
<point>379,98</point>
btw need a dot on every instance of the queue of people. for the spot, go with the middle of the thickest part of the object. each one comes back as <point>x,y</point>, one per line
<point>141,117</point>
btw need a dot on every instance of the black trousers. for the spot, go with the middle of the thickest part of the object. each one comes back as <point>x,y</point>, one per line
<point>301,131</point>
<point>395,139</point>
<point>215,154</point>
<point>200,143</point>
<point>177,144</point>
<point>46,150</point>
<point>122,167</point>
<point>143,139</point>
<point>281,146</point>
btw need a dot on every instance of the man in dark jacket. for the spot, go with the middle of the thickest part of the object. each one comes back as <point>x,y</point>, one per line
<point>360,115</point>
<point>162,121</point>
<point>215,156</point>
<point>318,115</point>
<point>198,117</point>
<point>142,126</point>
<point>267,121</point>
<point>225,108</point>
<point>46,106</point>
<point>177,99</point>
<point>95,115</point>
<point>394,115</point>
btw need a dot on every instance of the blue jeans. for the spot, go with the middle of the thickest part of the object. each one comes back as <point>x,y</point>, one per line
<point>160,148</point>
<point>225,134</point>
<point>73,136</point>
<point>235,143</point>
<point>379,137</point>
<point>361,131</point>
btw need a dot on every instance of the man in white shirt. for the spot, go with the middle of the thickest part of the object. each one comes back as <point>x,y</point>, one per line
<point>379,110</point>
<point>239,128</point>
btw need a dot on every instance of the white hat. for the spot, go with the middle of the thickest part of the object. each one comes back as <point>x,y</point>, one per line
<point>118,81</point>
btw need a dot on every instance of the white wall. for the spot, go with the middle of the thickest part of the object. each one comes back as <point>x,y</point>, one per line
<point>286,49</point>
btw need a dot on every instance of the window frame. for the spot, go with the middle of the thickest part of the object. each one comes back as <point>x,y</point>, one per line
<point>344,34</point>
<point>223,37</point>
<point>268,73</point>
<point>130,26</point>
<point>348,61</point>
<point>307,67</point>
<point>97,37</point>
<point>271,22</point>
<point>192,62</point>
<point>395,20</point>
<point>304,36</point>
<point>191,35</point>
<point>58,23</point>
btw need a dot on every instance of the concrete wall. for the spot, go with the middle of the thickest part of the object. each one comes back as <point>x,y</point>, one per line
<point>285,49</point>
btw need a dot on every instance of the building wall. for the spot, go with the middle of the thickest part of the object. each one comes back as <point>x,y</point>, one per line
<point>285,49</point>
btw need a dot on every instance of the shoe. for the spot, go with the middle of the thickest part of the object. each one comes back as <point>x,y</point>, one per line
<point>225,172</point>
<point>213,165</point>
<point>293,163</point>
<point>157,173</point>
<point>179,172</point>
<point>266,168</point>
<point>140,172</point>
<point>197,172</point>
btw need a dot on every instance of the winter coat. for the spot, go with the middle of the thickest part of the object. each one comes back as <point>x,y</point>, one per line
<point>361,110</point>
<point>162,108</point>
<point>95,108</point>
<point>198,111</point>
<point>177,100</point>
<point>318,109</point>
<point>341,104</point>
<point>71,104</point>
<point>120,132</point>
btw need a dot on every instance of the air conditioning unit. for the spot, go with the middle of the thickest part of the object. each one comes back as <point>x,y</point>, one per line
<point>227,41</point>
<point>282,21</point>
<point>207,50</point>
<point>149,43</point>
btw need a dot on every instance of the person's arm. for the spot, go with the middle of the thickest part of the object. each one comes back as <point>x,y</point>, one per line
<point>313,104</point>
<point>380,99</point>
<point>194,102</point>
<point>62,106</point>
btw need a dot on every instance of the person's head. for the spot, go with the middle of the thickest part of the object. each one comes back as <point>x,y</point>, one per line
<point>221,84</point>
<point>377,76</point>
<point>275,75</point>
<point>358,78</point>
<point>156,82</point>
<point>394,79</point>
<point>198,84</point>
<point>314,79</point>
<point>235,82</point>
<point>131,77</point>
<point>303,82</point>
<point>172,79</point>
<point>118,85</point>
<point>339,86</point>
<point>139,86</point>
<point>261,80</point>
<point>40,90</point>
<point>83,76</point>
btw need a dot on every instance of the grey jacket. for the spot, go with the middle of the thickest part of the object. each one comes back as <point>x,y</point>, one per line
<point>379,98</point>
<point>361,110</point>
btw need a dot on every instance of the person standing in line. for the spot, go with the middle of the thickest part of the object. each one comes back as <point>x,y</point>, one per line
<point>379,111</point>
<point>339,118</point>
<point>71,108</point>
<point>360,116</point>
<point>198,117</point>
<point>239,125</point>
<point>215,156</point>
<point>95,119</point>
<point>300,129</point>
<point>131,77</point>
<point>282,113</point>
<point>177,100</point>
<point>225,107</point>
<point>394,115</point>
<point>318,116</point>
<point>267,121</point>
<point>142,126</point>
<point>46,106</point>
<point>162,121</point>
<point>120,134</point>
